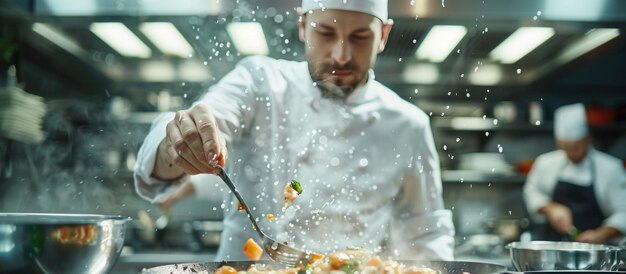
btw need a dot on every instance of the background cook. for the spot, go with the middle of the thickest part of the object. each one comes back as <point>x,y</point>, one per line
<point>579,190</point>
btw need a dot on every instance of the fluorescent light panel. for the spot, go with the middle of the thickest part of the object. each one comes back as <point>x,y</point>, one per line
<point>121,39</point>
<point>57,37</point>
<point>157,71</point>
<point>520,43</point>
<point>592,39</point>
<point>472,123</point>
<point>439,42</point>
<point>248,38</point>
<point>167,38</point>
<point>486,75</point>
<point>421,74</point>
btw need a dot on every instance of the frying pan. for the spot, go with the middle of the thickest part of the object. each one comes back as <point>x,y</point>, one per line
<point>564,272</point>
<point>445,267</point>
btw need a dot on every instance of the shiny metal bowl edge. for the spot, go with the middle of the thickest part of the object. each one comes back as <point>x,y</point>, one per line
<point>60,243</point>
<point>546,255</point>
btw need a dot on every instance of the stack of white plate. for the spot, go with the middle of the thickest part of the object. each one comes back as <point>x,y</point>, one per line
<point>21,115</point>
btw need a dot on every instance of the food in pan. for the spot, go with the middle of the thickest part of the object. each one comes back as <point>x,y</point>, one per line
<point>350,261</point>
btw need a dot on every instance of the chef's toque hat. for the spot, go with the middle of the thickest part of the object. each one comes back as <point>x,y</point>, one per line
<point>570,122</point>
<point>377,8</point>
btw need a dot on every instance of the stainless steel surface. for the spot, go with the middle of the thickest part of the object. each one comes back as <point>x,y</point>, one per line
<point>278,252</point>
<point>60,243</point>
<point>562,272</point>
<point>544,255</point>
<point>207,233</point>
<point>444,267</point>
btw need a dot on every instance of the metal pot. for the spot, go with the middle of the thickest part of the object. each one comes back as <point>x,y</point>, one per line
<point>545,255</point>
<point>60,243</point>
<point>444,267</point>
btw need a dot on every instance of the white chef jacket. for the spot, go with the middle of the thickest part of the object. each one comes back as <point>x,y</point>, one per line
<point>368,167</point>
<point>609,183</point>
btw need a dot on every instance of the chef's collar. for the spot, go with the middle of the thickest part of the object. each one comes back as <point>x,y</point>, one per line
<point>363,92</point>
<point>581,173</point>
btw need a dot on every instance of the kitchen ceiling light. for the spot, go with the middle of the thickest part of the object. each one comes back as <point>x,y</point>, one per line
<point>248,38</point>
<point>157,71</point>
<point>58,38</point>
<point>473,123</point>
<point>592,39</point>
<point>439,42</point>
<point>486,75</point>
<point>193,71</point>
<point>167,38</point>
<point>121,39</point>
<point>521,42</point>
<point>421,74</point>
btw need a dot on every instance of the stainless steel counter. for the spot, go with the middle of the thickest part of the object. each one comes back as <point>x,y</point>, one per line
<point>131,262</point>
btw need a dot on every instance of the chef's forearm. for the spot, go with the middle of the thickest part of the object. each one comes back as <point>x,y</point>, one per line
<point>609,232</point>
<point>164,169</point>
<point>545,210</point>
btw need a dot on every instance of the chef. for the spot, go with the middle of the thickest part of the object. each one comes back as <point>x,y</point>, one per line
<point>365,158</point>
<point>579,190</point>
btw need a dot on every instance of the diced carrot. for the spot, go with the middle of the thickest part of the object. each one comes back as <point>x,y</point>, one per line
<point>373,261</point>
<point>315,257</point>
<point>92,233</point>
<point>240,206</point>
<point>252,250</point>
<point>226,270</point>
<point>65,234</point>
<point>80,235</point>
<point>337,260</point>
<point>269,216</point>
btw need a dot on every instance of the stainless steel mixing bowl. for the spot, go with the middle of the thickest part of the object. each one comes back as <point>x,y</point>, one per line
<point>544,255</point>
<point>60,243</point>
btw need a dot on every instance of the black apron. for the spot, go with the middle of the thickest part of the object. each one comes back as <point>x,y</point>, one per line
<point>581,200</point>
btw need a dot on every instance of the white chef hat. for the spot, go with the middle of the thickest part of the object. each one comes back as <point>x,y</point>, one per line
<point>377,8</point>
<point>570,122</point>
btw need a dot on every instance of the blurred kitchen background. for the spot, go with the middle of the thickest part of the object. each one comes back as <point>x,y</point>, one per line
<point>82,80</point>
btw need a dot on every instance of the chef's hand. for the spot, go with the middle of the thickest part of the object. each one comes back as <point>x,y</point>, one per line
<point>599,235</point>
<point>192,145</point>
<point>560,217</point>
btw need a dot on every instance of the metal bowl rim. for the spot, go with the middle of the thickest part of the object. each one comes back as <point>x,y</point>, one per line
<point>536,246</point>
<point>58,218</point>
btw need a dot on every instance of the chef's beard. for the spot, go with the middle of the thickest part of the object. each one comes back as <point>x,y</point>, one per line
<point>333,88</point>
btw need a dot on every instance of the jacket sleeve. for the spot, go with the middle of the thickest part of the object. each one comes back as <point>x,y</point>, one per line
<point>232,103</point>
<point>421,227</point>
<point>616,202</point>
<point>148,187</point>
<point>535,192</point>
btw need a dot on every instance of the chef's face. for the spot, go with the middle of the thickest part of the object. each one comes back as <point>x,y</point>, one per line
<point>575,150</point>
<point>341,46</point>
